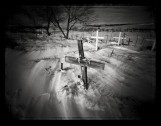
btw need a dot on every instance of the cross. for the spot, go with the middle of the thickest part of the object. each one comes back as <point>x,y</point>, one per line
<point>119,38</point>
<point>154,43</point>
<point>84,63</point>
<point>129,41</point>
<point>97,37</point>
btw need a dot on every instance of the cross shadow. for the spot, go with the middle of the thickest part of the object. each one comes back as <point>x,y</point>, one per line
<point>67,68</point>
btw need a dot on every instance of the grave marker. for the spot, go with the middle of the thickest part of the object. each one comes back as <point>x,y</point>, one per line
<point>84,63</point>
<point>119,38</point>
<point>154,43</point>
<point>97,37</point>
<point>129,41</point>
<point>61,66</point>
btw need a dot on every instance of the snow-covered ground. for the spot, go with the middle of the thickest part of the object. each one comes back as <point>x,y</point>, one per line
<point>36,88</point>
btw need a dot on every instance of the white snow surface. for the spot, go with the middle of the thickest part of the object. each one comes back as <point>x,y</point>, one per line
<point>49,93</point>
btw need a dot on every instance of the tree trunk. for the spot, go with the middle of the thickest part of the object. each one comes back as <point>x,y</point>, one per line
<point>67,35</point>
<point>34,21</point>
<point>48,33</point>
<point>60,29</point>
<point>62,32</point>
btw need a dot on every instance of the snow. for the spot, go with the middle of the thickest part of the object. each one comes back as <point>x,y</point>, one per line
<point>49,93</point>
<point>129,50</point>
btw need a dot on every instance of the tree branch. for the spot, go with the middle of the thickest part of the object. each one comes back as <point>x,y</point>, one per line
<point>73,25</point>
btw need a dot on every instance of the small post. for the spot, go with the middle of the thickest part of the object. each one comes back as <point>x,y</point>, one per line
<point>84,76</point>
<point>96,40</point>
<point>61,66</point>
<point>119,38</point>
<point>153,45</point>
<point>112,52</point>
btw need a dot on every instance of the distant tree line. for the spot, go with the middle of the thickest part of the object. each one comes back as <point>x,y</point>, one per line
<point>37,29</point>
<point>25,29</point>
<point>63,18</point>
<point>116,30</point>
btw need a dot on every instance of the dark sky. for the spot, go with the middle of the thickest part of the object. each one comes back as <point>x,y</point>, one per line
<point>114,15</point>
<point>122,14</point>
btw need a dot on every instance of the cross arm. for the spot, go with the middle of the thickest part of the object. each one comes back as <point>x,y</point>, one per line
<point>92,64</point>
<point>120,37</point>
<point>97,37</point>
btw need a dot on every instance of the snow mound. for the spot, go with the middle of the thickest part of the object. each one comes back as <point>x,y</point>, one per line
<point>69,87</point>
<point>88,45</point>
<point>126,49</point>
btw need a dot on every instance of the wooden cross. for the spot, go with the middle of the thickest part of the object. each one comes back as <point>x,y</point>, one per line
<point>84,63</point>
<point>119,38</point>
<point>154,43</point>
<point>97,37</point>
<point>129,41</point>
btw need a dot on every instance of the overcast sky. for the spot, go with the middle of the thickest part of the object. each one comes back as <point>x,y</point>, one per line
<point>116,15</point>
<point>122,14</point>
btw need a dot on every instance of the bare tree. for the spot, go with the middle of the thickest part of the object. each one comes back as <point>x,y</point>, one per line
<point>58,17</point>
<point>62,17</point>
<point>70,16</point>
<point>50,14</point>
